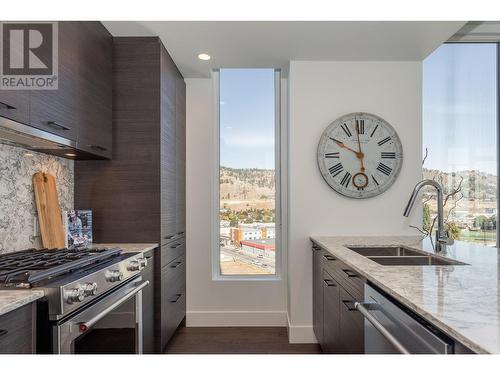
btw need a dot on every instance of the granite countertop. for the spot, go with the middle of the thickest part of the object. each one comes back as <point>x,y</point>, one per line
<point>461,300</point>
<point>129,247</point>
<point>13,299</point>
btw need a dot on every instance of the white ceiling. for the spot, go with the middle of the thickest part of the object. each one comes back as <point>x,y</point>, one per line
<point>274,44</point>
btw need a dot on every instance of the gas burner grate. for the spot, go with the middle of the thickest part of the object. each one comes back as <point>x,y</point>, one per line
<point>24,268</point>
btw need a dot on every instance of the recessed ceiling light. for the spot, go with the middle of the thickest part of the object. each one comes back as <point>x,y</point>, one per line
<point>204,56</point>
<point>70,154</point>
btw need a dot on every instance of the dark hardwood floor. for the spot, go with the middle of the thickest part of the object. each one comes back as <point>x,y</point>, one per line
<point>236,340</point>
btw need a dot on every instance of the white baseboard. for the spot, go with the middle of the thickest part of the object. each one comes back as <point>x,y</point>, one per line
<point>236,319</point>
<point>300,334</point>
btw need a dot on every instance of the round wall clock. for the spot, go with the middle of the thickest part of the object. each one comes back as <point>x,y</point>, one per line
<point>360,155</point>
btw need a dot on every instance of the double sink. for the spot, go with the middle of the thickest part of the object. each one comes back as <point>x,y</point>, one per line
<point>403,256</point>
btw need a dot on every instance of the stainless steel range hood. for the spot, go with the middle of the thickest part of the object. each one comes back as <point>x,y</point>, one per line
<point>16,134</point>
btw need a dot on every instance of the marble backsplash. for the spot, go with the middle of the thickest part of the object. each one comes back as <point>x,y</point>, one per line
<point>17,199</point>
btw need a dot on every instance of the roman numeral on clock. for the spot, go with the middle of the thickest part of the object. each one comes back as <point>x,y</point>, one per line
<point>374,180</point>
<point>332,155</point>
<point>388,155</point>
<point>384,141</point>
<point>336,169</point>
<point>373,132</point>
<point>346,130</point>
<point>361,126</point>
<point>346,179</point>
<point>384,169</point>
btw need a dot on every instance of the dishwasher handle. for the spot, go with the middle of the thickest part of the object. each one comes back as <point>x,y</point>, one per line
<point>363,308</point>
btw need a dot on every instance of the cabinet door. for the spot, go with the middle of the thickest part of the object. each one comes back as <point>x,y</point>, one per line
<point>317,295</point>
<point>17,331</point>
<point>331,318</point>
<point>168,148</point>
<point>180,152</point>
<point>55,110</point>
<point>351,326</point>
<point>94,109</point>
<point>15,105</point>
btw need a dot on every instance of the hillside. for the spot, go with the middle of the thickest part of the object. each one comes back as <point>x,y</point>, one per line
<point>246,184</point>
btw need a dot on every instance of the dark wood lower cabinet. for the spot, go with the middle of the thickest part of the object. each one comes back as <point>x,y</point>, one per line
<point>17,331</point>
<point>338,326</point>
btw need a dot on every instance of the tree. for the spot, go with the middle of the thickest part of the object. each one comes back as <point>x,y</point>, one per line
<point>427,219</point>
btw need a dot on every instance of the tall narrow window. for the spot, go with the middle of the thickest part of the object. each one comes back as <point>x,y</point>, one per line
<point>460,107</point>
<point>247,172</point>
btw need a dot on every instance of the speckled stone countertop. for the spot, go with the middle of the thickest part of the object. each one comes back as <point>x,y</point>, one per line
<point>129,247</point>
<point>462,300</point>
<point>13,299</point>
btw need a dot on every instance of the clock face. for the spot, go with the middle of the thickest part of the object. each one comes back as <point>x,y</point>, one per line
<point>360,155</point>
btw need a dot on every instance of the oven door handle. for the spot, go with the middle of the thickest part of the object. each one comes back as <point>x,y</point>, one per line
<point>363,309</point>
<point>84,326</point>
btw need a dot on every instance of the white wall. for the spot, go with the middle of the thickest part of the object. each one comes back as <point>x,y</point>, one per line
<point>319,92</point>
<point>211,302</point>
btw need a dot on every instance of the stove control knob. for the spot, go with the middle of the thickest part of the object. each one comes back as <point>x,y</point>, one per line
<point>74,295</point>
<point>134,265</point>
<point>90,289</point>
<point>114,275</point>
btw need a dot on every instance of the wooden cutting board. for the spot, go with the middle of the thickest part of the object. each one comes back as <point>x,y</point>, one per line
<point>49,211</point>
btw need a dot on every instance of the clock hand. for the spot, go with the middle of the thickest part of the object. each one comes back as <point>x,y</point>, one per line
<point>359,154</point>
<point>342,145</point>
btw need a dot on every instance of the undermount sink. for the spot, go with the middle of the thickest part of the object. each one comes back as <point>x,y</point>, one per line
<point>403,256</point>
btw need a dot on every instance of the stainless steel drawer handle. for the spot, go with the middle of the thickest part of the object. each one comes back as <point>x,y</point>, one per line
<point>362,308</point>
<point>329,282</point>
<point>180,233</point>
<point>316,248</point>
<point>7,106</point>
<point>176,246</point>
<point>176,298</point>
<point>176,264</point>
<point>169,237</point>
<point>97,147</point>
<point>329,257</point>
<point>84,326</point>
<point>3,332</point>
<point>57,125</point>
<point>350,273</point>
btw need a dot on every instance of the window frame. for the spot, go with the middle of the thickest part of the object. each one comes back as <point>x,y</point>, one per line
<point>215,209</point>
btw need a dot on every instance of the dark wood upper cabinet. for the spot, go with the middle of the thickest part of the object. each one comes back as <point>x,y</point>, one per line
<point>94,106</point>
<point>55,110</point>
<point>81,108</point>
<point>15,105</point>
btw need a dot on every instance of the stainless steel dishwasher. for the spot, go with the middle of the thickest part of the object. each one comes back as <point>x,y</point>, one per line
<point>392,328</point>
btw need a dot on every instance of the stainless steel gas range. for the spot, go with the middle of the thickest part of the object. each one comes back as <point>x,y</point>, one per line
<point>93,298</point>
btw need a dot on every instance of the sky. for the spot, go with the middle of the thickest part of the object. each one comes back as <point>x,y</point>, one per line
<point>459,107</point>
<point>247,118</point>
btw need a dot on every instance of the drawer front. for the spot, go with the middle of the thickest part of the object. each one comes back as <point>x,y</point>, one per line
<point>15,105</point>
<point>17,331</point>
<point>172,250</point>
<point>346,276</point>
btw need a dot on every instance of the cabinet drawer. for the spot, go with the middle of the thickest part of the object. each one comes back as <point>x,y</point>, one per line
<point>348,278</point>
<point>17,331</point>
<point>172,250</point>
<point>351,327</point>
<point>173,276</point>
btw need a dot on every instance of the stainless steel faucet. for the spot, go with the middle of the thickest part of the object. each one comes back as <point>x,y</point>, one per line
<point>442,238</point>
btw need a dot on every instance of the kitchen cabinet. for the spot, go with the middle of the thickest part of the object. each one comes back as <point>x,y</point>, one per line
<point>148,295</point>
<point>80,109</point>
<point>17,330</point>
<point>94,105</point>
<point>55,110</point>
<point>338,326</point>
<point>139,195</point>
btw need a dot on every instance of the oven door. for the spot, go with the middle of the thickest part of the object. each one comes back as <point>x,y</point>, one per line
<point>109,325</point>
